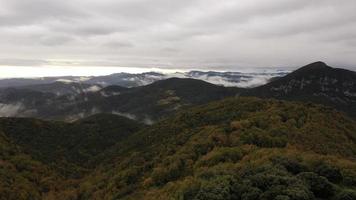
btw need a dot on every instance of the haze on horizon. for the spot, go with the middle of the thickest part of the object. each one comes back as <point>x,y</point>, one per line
<point>40,36</point>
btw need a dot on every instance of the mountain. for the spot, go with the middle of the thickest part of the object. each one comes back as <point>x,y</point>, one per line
<point>41,100</point>
<point>127,79</point>
<point>146,103</point>
<point>18,82</point>
<point>23,102</point>
<point>16,102</point>
<point>239,79</point>
<point>152,102</point>
<point>316,82</point>
<point>208,143</point>
<point>112,90</point>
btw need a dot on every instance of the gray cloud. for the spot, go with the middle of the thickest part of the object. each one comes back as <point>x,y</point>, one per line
<point>55,40</point>
<point>205,34</point>
<point>17,12</point>
<point>22,62</point>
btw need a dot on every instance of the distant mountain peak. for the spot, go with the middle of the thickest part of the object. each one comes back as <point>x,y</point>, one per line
<point>316,66</point>
<point>321,70</point>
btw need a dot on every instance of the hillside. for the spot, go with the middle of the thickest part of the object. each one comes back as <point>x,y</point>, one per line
<point>163,97</point>
<point>152,102</point>
<point>238,148</point>
<point>147,103</point>
<point>62,88</point>
<point>112,90</point>
<point>68,146</point>
<point>39,158</point>
<point>316,82</point>
<point>22,177</point>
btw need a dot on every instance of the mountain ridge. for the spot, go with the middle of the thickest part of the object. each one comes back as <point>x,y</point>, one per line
<point>316,82</point>
<point>240,79</point>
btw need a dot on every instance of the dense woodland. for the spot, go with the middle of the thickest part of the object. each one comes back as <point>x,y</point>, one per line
<point>237,148</point>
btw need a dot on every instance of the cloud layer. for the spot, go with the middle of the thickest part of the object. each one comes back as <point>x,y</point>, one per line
<point>205,34</point>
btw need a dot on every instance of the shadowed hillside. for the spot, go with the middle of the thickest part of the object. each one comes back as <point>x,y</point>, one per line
<point>68,146</point>
<point>155,101</point>
<point>316,83</point>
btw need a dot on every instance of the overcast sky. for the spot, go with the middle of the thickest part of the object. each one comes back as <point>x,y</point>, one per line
<point>176,34</point>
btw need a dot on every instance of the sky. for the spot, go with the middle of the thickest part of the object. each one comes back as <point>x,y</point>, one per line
<point>88,37</point>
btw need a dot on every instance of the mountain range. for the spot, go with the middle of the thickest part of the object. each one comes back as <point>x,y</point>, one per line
<point>316,82</point>
<point>237,79</point>
<point>293,138</point>
<point>159,99</point>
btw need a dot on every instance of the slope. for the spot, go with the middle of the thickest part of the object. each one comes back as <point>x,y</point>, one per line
<point>152,102</point>
<point>22,177</point>
<point>238,148</point>
<point>62,88</point>
<point>68,147</point>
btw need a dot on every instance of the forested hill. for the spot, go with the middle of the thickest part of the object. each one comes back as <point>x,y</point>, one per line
<point>238,148</point>
<point>67,147</point>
